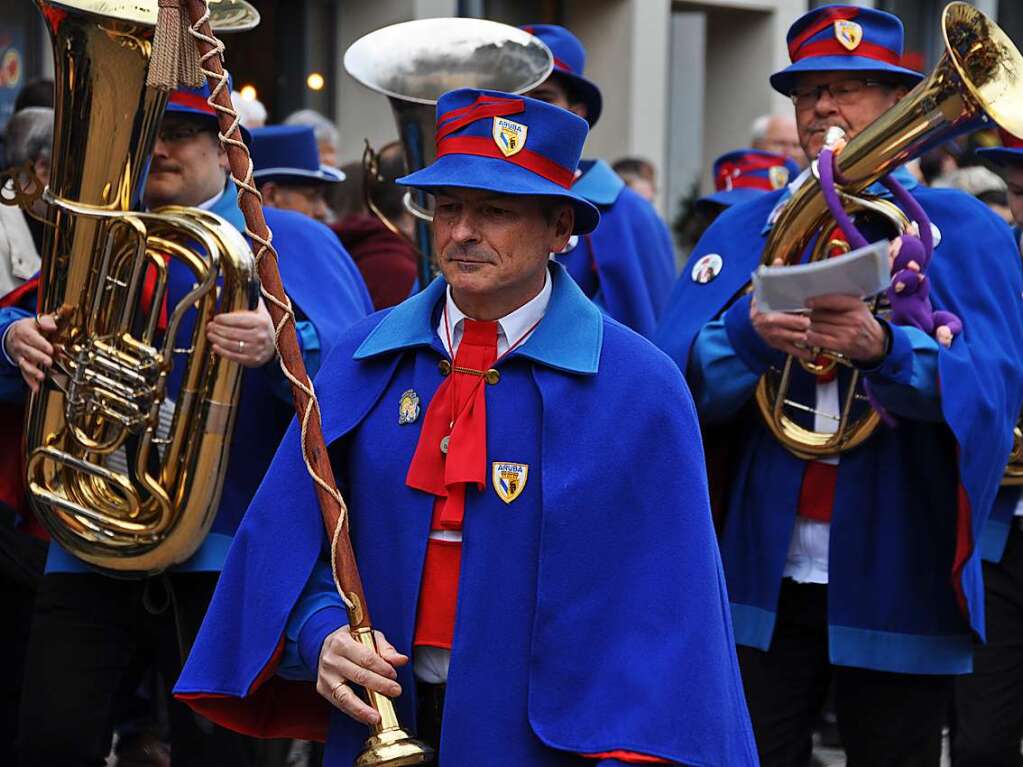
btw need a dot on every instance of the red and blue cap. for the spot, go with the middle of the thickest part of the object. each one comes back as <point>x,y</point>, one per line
<point>1009,154</point>
<point>845,38</point>
<point>289,154</point>
<point>507,144</point>
<point>193,101</point>
<point>745,174</point>
<point>569,63</point>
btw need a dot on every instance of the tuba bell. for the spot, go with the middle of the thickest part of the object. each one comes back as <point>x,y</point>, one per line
<point>979,79</point>
<point>119,475</point>
<point>414,63</point>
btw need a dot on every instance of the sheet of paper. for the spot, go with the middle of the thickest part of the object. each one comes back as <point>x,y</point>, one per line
<point>862,273</point>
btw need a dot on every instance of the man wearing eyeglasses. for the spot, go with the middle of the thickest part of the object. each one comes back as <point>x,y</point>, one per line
<point>90,632</point>
<point>857,568</point>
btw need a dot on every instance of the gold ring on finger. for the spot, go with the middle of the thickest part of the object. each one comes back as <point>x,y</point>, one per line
<point>334,690</point>
<point>241,346</point>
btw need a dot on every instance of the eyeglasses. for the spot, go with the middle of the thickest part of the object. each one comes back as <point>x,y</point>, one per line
<point>176,134</point>
<point>842,92</point>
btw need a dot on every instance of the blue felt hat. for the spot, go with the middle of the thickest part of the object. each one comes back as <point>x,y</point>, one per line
<point>193,101</point>
<point>1003,155</point>
<point>507,144</point>
<point>844,38</point>
<point>745,174</point>
<point>1010,153</point>
<point>289,153</point>
<point>569,63</point>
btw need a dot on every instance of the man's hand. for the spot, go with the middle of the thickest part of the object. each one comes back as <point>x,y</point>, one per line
<point>845,324</point>
<point>245,337</point>
<point>782,331</point>
<point>26,343</point>
<point>343,659</point>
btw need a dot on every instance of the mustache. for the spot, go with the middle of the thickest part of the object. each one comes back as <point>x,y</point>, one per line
<point>467,253</point>
<point>822,126</point>
<point>164,167</point>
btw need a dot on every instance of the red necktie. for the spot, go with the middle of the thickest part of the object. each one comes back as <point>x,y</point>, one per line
<point>456,417</point>
<point>457,414</point>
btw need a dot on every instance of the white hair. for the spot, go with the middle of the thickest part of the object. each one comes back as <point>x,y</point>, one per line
<point>324,129</point>
<point>29,135</point>
<point>251,112</point>
<point>758,130</point>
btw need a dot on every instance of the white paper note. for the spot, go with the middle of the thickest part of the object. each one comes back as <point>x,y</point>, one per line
<point>862,273</point>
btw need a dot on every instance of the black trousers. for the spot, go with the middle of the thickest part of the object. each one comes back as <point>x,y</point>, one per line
<point>89,632</point>
<point>429,713</point>
<point>884,719</point>
<point>988,724</point>
<point>21,567</point>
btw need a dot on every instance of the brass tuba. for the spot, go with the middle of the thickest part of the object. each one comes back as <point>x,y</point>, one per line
<point>1014,469</point>
<point>414,63</point>
<point>110,484</point>
<point>979,78</point>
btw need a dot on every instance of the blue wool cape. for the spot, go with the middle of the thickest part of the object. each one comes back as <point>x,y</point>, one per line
<point>904,586</point>
<point>996,531</point>
<point>592,613</point>
<point>627,264</point>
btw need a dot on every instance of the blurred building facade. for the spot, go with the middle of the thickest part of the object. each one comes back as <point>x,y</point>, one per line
<point>682,79</point>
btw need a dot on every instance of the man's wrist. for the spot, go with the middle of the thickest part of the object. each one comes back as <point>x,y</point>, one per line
<point>3,345</point>
<point>886,348</point>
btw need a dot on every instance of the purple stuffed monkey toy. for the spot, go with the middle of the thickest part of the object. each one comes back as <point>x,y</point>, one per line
<point>909,293</point>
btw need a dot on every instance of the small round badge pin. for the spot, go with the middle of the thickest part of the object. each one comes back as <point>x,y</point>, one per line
<point>706,269</point>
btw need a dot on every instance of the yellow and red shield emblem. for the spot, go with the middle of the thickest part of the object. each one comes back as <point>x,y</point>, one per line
<point>779,176</point>
<point>849,34</point>
<point>509,479</point>
<point>509,136</point>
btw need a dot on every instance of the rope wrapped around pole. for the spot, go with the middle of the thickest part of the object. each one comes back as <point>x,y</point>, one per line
<point>314,451</point>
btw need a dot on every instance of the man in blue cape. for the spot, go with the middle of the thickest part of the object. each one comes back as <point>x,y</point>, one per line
<point>739,176</point>
<point>862,567</point>
<point>527,500</point>
<point>988,712</point>
<point>90,630</point>
<point>287,170</point>
<point>627,264</point>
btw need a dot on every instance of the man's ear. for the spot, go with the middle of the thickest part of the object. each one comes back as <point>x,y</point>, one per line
<point>564,223</point>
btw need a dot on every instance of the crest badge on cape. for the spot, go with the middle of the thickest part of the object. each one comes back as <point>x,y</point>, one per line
<point>408,408</point>
<point>509,479</point>
<point>509,136</point>
<point>849,34</point>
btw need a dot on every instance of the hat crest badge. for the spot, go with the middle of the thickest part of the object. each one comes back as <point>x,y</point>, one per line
<point>778,176</point>
<point>509,136</point>
<point>849,34</point>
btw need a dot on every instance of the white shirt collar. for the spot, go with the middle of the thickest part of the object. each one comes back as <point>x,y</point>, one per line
<point>210,203</point>
<point>510,328</point>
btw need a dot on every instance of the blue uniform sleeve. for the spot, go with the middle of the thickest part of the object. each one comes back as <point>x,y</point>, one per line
<point>12,385</point>
<point>727,360</point>
<point>906,381</point>
<point>309,341</point>
<point>318,613</point>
